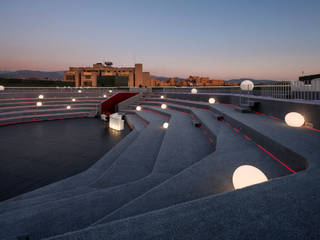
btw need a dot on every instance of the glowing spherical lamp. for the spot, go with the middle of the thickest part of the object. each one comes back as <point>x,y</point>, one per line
<point>1,88</point>
<point>73,99</point>
<point>104,95</point>
<point>165,125</point>
<point>68,107</point>
<point>246,85</point>
<point>163,106</point>
<point>194,91</point>
<point>162,97</point>
<point>138,108</point>
<point>247,175</point>
<point>39,104</point>
<point>79,91</point>
<point>294,119</point>
<point>212,100</point>
<point>110,91</point>
<point>41,96</point>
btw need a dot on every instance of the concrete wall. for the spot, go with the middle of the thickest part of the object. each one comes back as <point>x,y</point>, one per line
<point>138,75</point>
<point>273,107</point>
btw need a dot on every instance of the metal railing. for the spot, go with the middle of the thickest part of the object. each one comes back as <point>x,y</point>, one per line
<point>289,90</point>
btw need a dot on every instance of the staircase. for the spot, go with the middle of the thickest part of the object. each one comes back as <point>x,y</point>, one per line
<point>156,183</point>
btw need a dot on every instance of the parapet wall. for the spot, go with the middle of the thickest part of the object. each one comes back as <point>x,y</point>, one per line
<point>274,107</point>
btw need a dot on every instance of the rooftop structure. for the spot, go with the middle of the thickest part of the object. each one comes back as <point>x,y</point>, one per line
<point>105,75</point>
<point>195,165</point>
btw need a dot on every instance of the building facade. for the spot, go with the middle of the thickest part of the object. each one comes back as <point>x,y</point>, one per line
<point>105,75</point>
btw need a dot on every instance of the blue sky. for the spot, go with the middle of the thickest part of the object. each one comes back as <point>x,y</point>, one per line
<point>220,39</point>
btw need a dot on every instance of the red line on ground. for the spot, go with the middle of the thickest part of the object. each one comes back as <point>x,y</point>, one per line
<point>259,113</point>
<point>275,117</point>
<point>162,115</point>
<point>246,137</point>
<point>38,120</point>
<point>228,124</point>
<point>237,130</point>
<point>311,128</point>
<point>276,158</point>
<point>210,139</point>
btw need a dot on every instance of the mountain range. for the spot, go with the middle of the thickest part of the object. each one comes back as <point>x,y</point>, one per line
<point>27,74</point>
<point>58,75</point>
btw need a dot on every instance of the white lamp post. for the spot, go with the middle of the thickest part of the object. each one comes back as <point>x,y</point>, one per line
<point>163,106</point>
<point>194,91</point>
<point>247,175</point>
<point>212,100</point>
<point>165,125</point>
<point>294,119</point>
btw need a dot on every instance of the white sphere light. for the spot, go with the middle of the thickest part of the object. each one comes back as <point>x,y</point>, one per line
<point>162,97</point>
<point>110,91</point>
<point>294,119</point>
<point>247,175</point>
<point>165,125</point>
<point>138,108</point>
<point>73,99</point>
<point>79,91</point>
<point>1,88</point>
<point>246,85</point>
<point>104,95</point>
<point>194,91</point>
<point>212,100</point>
<point>41,96</point>
<point>39,104</point>
<point>163,106</point>
<point>68,107</point>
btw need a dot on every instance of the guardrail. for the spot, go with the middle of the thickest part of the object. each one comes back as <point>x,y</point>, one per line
<point>290,90</point>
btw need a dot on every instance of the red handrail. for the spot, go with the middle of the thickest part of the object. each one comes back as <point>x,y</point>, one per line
<point>109,106</point>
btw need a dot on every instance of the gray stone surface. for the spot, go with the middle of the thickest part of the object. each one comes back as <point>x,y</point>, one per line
<point>188,193</point>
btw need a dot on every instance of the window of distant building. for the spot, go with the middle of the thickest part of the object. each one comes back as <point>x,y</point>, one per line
<point>87,76</point>
<point>70,77</point>
<point>88,84</point>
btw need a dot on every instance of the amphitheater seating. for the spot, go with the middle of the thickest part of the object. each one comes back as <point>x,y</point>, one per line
<point>159,183</point>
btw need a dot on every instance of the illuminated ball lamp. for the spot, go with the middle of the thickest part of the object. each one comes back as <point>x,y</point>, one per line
<point>68,107</point>
<point>194,91</point>
<point>79,91</point>
<point>40,96</point>
<point>246,85</point>
<point>165,125</point>
<point>1,88</point>
<point>246,175</point>
<point>73,99</point>
<point>162,97</point>
<point>110,91</point>
<point>138,108</point>
<point>104,95</point>
<point>294,119</point>
<point>211,100</point>
<point>163,106</point>
<point>39,104</point>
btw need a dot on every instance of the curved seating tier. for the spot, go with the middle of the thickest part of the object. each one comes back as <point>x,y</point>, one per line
<point>168,183</point>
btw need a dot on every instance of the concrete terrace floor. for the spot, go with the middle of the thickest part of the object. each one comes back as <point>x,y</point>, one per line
<point>36,154</point>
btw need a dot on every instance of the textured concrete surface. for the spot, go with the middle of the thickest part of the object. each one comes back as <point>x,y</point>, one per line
<point>279,209</point>
<point>188,193</point>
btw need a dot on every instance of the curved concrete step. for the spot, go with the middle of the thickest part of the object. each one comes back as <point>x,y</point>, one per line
<point>76,184</point>
<point>43,117</point>
<point>117,196</point>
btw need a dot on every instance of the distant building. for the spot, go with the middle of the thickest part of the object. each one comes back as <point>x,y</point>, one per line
<point>309,78</point>
<point>105,75</point>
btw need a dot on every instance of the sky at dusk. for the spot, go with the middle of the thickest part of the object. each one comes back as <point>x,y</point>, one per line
<point>274,39</point>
